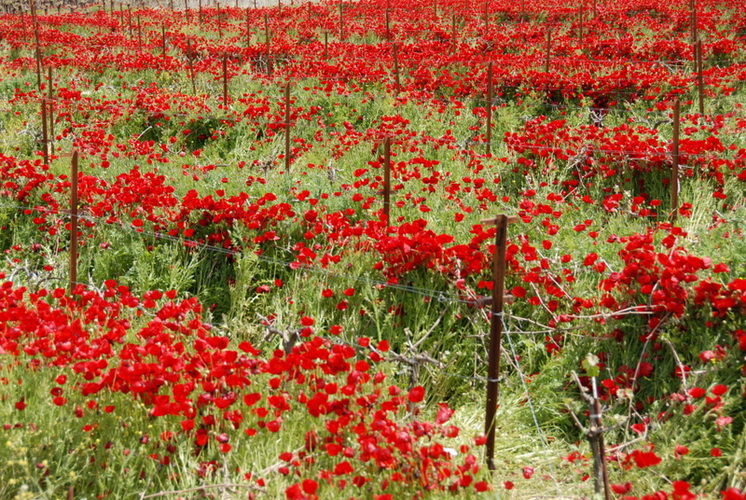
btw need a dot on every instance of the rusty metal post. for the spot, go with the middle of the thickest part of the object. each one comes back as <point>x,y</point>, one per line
<point>326,44</point>
<point>675,157</point>
<point>287,127</point>
<point>44,134</point>
<point>163,40</point>
<point>388,24</point>
<point>549,49</point>
<point>266,42</point>
<point>191,67</point>
<point>248,28</point>
<point>37,53</point>
<point>396,70</point>
<point>225,79</point>
<point>700,79</point>
<point>496,330</point>
<point>581,24</point>
<point>453,30</point>
<point>387,180</point>
<point>50,96</point>
<point>693,21</point>
<point>74,222</point>
<point>489,109</point>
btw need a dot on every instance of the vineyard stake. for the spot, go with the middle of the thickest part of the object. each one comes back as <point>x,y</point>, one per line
<point>163,39</point>
<point>581,25</point>
<point>37,52</point>
<point>675,158</point>
<point>700,79</point>
<point>489,109</point>
<point>266,41</point>
<point>486,18</point>
<point>396,70</point>
<point>44,135</point>
<point>225,79</point>
<point>549,49</point>
<point>51,109</point>
<point>341,23</point>
<point>248,28</point>
<point>546,62</point>
<point>326,44</point>
<point>496,330</point>
<point>387,179</point>
<point>191,66</point>
<point>219,20</point>
<point>139,33</point>
<point>388,24</point>
<point>74,222</point>
<point>693,21</point>
<point>287,127</point>
<point>453,29</point>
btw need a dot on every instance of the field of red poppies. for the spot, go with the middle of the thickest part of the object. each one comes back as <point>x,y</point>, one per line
<point>268,274</point>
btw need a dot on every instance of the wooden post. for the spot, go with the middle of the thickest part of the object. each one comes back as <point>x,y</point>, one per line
<point>546,62</point>
<point>549,49</point>
<point>287,127</point>
<point>693,21</point>
<point>50,94</point>
<point>248,28</point>
<point>341,23</point>
<point>37,53</point>
<point>489,109</point>
<point>326,44</point>
<point>44,135</point>
<point>163,39</point>
<point>225,79</point>
<point>496,330</point>
<point>453,29</point>
<point>74,222</point>
<point>581,24</point>
<point>388,25</point>
<point>266,41</point>
<point>219,19</point>
<point>675,157</point>
<point>396,70</point>
<point>700,79</point>
<point>387,180</point>
<point>139,33</point>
